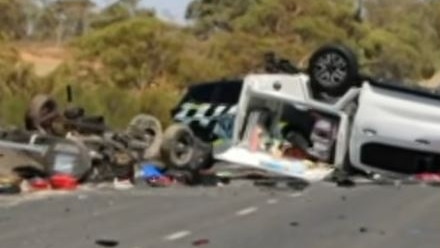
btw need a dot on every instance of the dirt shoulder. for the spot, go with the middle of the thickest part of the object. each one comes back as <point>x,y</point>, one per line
<point>44,57</point>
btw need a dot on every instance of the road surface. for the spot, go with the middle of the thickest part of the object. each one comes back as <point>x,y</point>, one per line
<point>236,216</point>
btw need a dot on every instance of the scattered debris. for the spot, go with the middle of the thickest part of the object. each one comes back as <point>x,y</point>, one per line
<point>162,181</point>
<point>107,242</point>
<point>9,189</point>
<point>281,183</point>
<point>346,182</point>
<point>208,179</point>
<point>294,223</point>
<point>63,182</point>
<point>38,183</point>
<point>29,172</point>
<point>428,177</point>
<point>200,242</point>
<point>149,171</point>
<point>9,184</point>
<point>183,177</point>
<point>122,184</point>
<point>153,176</point>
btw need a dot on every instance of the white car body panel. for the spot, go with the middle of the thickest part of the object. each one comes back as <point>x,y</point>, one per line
<point>264,161</point>
<point>394,118</point>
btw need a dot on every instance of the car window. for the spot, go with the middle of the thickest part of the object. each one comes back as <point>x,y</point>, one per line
<point>200,93</point>
<point>223,92</point>
<point>228,92</point>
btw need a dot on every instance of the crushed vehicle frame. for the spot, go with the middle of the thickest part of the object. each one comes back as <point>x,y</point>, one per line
<point>333,84</point>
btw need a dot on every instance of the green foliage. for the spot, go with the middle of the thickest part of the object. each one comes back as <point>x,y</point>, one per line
<point>17,82</point>
<point>135,53</point>
<point>119,11</point>
<point>12,19</point>
<point>212,15</point>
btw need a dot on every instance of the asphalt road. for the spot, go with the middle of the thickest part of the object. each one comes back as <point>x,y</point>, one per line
<point>237,216</point>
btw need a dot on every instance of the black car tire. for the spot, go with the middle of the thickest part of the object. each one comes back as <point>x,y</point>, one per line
<point>178,146</point>
<point>333,70</point>
<point>203,156</point>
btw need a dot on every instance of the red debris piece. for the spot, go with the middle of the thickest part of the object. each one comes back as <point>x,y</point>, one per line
<point>200,242</point>
<point>40,184</point>
<point>63,181</point>
<point>162,181</point>
<point>429,177</point>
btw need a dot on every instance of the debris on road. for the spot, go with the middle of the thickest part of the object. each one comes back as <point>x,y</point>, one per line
<point>107,242</point>
<point>9,184</point>
<point>153,176</point>
<point>428,177</point>
<point>200,242</point>
<point>346,182</point>
<point>294,223</point>
<point>39,183</point>
<point>9,189</point>
<point>122,184</point>
<point>281,183</point>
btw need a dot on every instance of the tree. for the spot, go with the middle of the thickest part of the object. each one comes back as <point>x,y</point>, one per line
<point>136,52</point>
<point>12,19</point>
<point>131,6</point>
<point>58,19</point>
<point>120,11</point>
<point>211,15</point>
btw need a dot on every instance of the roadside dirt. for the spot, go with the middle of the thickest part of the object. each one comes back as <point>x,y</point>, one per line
<point>434,82</point>
<point>45,57</point>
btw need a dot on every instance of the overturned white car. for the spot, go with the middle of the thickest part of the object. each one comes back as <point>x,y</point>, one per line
<point>307,124</point>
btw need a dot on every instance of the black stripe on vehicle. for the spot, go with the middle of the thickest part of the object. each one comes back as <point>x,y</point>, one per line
<point>225,111</point>
<point>210,111</point>
<point>191,112</point>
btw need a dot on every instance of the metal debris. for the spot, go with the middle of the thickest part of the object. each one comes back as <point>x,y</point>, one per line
<point>107,242</point>
<point>200,242</point>
<point>294,223</point>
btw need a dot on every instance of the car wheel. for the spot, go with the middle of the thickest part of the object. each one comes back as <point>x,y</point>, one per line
<point>178,146</point>
<point>333,70</point>
<point>41,113</point>
<point>145,132</point>
<point>203,156</point>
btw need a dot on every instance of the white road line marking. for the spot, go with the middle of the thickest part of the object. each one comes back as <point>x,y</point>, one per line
<point>246,211</point>
<point>272,201</point>
<point>177,235</point>
<point>295,195</point>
